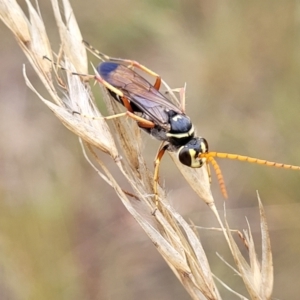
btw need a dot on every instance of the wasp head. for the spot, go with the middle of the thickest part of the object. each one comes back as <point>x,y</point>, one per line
<point>189,153</point>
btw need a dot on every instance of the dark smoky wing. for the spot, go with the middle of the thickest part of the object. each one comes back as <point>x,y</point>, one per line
<point>115,74</point>
<point>138,90</point>
<point>149,103</point>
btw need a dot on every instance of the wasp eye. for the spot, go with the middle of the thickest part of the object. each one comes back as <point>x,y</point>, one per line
<point>189,153</point>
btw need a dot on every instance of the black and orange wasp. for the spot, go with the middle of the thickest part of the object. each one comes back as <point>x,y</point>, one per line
<point>159,117</point>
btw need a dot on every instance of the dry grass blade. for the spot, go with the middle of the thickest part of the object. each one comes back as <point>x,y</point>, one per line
<point>70,36</point>
<point>267,269</point>
<point>257,277</point>
<point>170,233</point>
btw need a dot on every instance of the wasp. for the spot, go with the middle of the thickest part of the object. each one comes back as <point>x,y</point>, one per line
<point>161,118</point>
<point>155,114</point>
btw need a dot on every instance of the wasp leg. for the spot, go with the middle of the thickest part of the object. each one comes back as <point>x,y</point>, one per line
<point>159,155</point>
<point>144,123</point>
<point>141,121</point>
<point>181,92</point>
<point>133,63</point>
<point>182,97</point>
<point>130,63</point>
<point>107,85</point>
<point>136,64</point>
<point>98,78</point>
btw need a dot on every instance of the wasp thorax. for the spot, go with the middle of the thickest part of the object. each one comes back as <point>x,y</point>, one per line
<point>189,153</point>
<point>181,129</point>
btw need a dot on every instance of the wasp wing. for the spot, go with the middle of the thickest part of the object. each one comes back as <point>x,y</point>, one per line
<point>141,94</point>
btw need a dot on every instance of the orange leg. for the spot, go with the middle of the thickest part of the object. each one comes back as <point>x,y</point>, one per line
<point>159,155</point>
<point>141,121</point>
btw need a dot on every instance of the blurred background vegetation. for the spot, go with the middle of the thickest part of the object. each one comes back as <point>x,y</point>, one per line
<point>63,232</point>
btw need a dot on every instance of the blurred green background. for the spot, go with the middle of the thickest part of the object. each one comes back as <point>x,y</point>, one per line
<point>63,232</point>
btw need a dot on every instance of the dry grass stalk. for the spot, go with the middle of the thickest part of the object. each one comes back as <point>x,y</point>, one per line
<point>171,234</point>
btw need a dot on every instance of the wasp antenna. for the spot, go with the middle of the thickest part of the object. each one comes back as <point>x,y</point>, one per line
<point>250,160</point>
<point>218,173</point>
